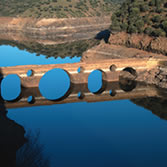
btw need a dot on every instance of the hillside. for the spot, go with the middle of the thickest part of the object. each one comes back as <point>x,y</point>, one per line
<point>141,16</point>
<point>57,8</point>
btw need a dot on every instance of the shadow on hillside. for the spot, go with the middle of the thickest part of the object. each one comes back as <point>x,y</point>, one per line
<point>105,35</point>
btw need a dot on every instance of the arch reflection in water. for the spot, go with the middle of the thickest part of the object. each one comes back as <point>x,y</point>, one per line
<point>127,85</point>
<point>95,82</point>
<point>11,87</point>
<point>54,85</point>
<point>80,92</point>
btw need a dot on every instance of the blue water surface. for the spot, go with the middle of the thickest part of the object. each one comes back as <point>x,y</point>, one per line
<point>99,134</point>
<point>12,56</point>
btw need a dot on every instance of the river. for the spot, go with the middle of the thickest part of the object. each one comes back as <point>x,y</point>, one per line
<point>98,134</point>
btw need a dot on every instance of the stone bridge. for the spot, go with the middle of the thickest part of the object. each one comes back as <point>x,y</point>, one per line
<point>110,68</point>
<point>78,74</point>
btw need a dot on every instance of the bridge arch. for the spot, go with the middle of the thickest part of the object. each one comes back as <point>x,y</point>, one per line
<point>11,88</point>
<point>131,71</point>
<point>59,84</point>
<point>97,81</point>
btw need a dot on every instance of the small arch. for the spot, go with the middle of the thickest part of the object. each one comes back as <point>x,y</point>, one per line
<point>30,73</point>
<point>113,68</point>
<point>131,71</point>
<point>31,99</point>
<point>112,92</point>
<point>80,70</point>
<point>80,95</point>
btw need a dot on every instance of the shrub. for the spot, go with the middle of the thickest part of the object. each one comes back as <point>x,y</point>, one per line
<point>132,29</point>
<point>148,30</point>
<point>164,25</point>
<point>156,18</point>
<point>158,32</point>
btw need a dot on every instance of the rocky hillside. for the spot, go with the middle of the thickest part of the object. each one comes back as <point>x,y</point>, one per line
<point>141,16</point>
<point>140,41</point>
<point>57,8</point>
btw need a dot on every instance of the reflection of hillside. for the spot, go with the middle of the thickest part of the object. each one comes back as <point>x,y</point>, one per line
<point>70,49</point>
<point>11,139</point>
<point>157,106</point>
<point>31,154</point>
<point>17,150</point>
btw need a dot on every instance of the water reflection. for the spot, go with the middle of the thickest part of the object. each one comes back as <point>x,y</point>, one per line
<point>157,106</point>
<point>148,96</point>
<point>11,137</point>
<point>31,154</point>
<point>51,49</point>
<point>80,92</point>
<point>16,150</point>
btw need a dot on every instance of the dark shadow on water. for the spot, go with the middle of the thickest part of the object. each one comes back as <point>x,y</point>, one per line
<point>31,154</point>
<point>157,106</point>
<point>105,35</point>
<point>11,136</point>
<point>16,149</point>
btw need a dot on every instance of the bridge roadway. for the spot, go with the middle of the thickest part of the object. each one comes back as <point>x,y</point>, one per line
<point>110,69</point>
<point>131,90</point>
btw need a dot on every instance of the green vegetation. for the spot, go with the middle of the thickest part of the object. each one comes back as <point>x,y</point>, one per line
<point>56,8</point>
<point>141,16</point>
<point>70,49</point>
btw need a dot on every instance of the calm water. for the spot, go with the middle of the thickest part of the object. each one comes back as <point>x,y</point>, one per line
<point>98,134</point>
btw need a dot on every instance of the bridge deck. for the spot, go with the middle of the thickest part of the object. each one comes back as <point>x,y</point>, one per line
<point>110,74</point>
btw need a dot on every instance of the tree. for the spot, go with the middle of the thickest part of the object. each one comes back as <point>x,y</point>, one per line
<point>156,18</point>
<point>158,32</point>
<point>164,25</point>
<point>148,30</point>
<point>132,29</point>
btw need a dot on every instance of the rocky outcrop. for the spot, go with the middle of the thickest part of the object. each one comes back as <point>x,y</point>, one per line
<point>140,41</point>
<point>156,76</point>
